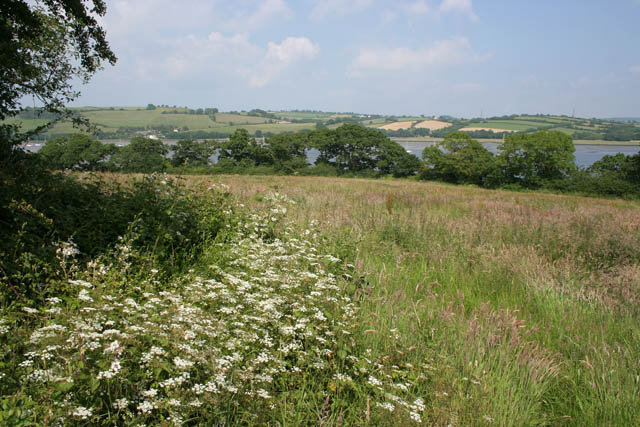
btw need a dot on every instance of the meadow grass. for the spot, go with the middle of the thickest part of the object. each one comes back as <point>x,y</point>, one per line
<point>353,302</point>
<point>521,308</point>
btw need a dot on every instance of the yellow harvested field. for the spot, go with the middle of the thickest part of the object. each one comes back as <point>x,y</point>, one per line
<point>397,125</point>
<point>433,125</point>
<point>493,129</point>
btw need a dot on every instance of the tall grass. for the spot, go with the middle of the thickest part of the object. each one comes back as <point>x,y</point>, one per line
<point>353,302</point>
<point>523,306</point>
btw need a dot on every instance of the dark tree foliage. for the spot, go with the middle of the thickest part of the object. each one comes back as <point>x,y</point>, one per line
<point>288,151</point>
<point>44,44</point>
<point>622,132</point>
<point>532,160</point>
<point>623,167</point>
<point>76,151</point>
<point>355,149</point>
<point>141,155</point>
<point>190,152</point>
<point>458,159</point>
<point>240,150</point>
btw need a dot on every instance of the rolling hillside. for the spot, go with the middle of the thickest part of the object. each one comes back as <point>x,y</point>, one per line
<point>173,122</point>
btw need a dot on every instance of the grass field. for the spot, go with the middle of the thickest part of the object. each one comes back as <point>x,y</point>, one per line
<point>513,309</point>
<point>505,124</point>
<point>329,301</point>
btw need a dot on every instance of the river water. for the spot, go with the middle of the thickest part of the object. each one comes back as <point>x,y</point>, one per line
<point>586,155</point>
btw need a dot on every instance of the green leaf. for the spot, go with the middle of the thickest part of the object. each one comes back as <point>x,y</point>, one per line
<point>64,386</point>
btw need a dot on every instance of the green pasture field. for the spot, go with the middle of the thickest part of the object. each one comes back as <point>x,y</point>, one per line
<point>236,119</point>
<point>307,115</point>
<point>110,119</point>
<point>505,124</point>
<point>374,122</point>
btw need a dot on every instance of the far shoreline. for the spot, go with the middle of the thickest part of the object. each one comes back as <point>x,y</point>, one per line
<point>498,140</point>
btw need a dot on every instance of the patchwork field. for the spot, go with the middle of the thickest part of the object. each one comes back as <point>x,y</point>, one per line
<point>473,129</point>
<point>124,122</point>
<point>432,124</point>
<point>397,125</point>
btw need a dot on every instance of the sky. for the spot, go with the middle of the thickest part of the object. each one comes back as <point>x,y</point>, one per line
<point>465,58</point>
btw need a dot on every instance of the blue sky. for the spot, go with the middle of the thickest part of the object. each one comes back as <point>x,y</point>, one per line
<point>434,57</point>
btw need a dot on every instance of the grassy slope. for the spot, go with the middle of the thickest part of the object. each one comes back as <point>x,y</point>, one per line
<point>110,120</point>
<point>518,308</point>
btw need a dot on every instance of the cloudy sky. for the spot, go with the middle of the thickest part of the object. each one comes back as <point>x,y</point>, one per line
<point>458,57</point>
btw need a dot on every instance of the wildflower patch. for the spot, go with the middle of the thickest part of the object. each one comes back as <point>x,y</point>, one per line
<point>231,344</point>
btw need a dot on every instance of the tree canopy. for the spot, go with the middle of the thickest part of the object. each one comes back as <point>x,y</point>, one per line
<point>76,151</point>
<point>531,159</point>
<point>141,155</point>
<point>190,152</point>
<point>44,45</point>
<point>458,159</point>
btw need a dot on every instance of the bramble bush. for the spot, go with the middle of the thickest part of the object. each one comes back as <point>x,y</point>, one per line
<point>51,220</point>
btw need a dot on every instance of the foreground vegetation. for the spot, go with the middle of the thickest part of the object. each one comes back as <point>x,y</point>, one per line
<point>333,301</point>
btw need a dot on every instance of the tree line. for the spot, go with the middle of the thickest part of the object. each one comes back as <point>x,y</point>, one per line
<point>539,160</point>
<point>349,149</point>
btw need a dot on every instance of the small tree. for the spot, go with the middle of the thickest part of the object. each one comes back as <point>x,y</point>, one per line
<point>76,151</point>
<point>535,159</point>
<point>242,150</point>
<point>189,152</point>
<point>458,159</point>
<point>288,151</point>
<point>141,155</point>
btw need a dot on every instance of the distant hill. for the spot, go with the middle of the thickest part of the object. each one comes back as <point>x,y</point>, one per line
<point>625,119</point>
<point>498,127</point>
<point>182,122</point>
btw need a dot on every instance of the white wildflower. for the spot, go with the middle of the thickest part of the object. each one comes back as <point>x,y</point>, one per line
<point>415,417</point>
<point>386,405</point>
<point>82,412</point>
<point>374,381</point>
<point>263,393</point>
<point>121,403</point>
<point>84,296</point>
<point>146,407</point>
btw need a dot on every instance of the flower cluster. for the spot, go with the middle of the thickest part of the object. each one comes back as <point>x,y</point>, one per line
<point>266,314</point>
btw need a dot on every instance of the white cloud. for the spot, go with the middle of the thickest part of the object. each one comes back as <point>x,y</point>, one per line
<point>325,8</point>
<point>280,56</point>
<point>441,53</point>
<point>268,11</point>
<point>458,6</point>
<point>192,55</point>
<point>234,56</point>
<point>419,7</point>
<point>635,68</point>
<point>140,16</point>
